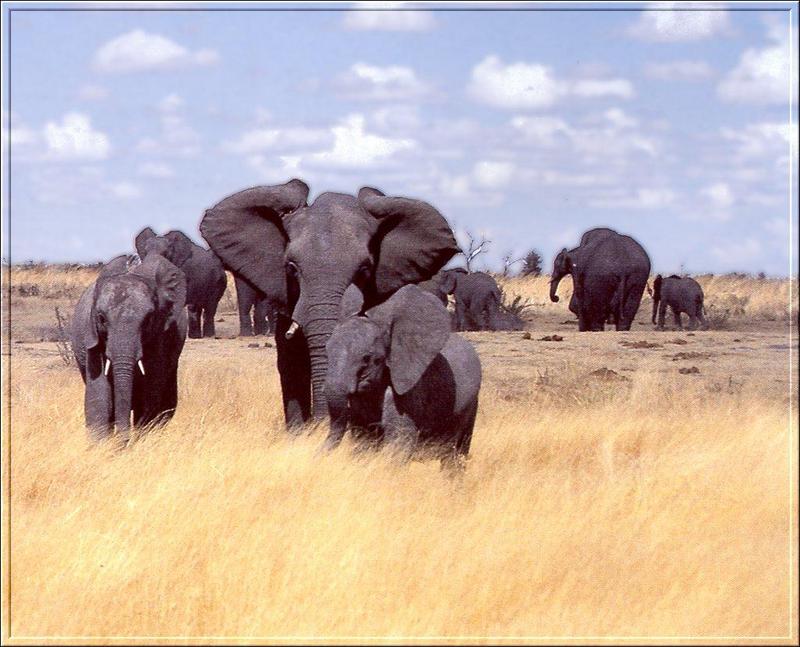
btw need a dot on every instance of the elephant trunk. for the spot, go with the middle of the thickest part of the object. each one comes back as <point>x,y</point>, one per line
<point>322,318</point>
<point>338,408</point>
<point>123,368</point>
<point>553,287</point>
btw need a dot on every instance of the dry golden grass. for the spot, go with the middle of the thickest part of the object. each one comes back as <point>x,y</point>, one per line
<point>639,503</point>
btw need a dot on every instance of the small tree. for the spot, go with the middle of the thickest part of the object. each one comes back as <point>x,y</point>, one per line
<point>509,261</point>
<point>474,249</point>
<point>532,264</point>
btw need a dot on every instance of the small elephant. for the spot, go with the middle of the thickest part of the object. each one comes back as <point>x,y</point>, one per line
<point>257,316</point>
<point>205,275</point>
<point>127,335</point>
<point>681,294</point>
<point>399,376</point>
<point>478,299</point>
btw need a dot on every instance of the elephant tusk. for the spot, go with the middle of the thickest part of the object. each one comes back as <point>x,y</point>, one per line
<point>108,366</point>
<point>292,330</point>
<point>141,366</point>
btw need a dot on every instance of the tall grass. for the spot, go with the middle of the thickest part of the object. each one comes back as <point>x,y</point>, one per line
<point>655,511</point>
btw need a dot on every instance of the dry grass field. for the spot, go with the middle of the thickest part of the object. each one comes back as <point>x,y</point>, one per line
<point>622,486</point>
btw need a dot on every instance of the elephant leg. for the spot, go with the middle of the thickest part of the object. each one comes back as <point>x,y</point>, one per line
<point>195,331</point>
<point>209,314</point>
<point>692,322</point>
<point>662,313</point>
<point>294,367</point>
<point>399,432</point>
<point>455,461</point>
<point>460,315</point>
<point>701,318</point>
<point>260,326</point>
<point>245,324</point>
<point>676,316</point>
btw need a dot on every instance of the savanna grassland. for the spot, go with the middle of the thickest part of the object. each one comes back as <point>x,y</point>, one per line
<point>637,485</point>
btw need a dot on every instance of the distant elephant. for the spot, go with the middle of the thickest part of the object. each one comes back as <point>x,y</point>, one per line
<point>127,335</point>
<point>609,275</point>
<point>434,286</point>
<point>478,299</point>
<point>303,257</point>
<point>205,275</point>
<point>257,316</point>
<point>681,294</point>
<point>399,376</point>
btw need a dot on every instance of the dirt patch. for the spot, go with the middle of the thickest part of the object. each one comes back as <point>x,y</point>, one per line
<point>688,371</point>
<point>608,375</point>
<point>679,342</point>
<point>690,355</point>
<point>551,338</point>
<point>640,344</point>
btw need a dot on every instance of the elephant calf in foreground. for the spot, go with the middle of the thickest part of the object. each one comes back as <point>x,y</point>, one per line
<point>681,294</point>
<point>399,376</point>
<point>128,332</point>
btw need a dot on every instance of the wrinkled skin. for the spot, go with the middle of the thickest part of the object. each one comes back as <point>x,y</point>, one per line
<point>257,316</point>
<point>304,256</point>
<point>680,294</point>
<point>399,376</point>
<point>131,314</point>
<point>478,300</point>
<point>205,275</point>
<point>609,274</point>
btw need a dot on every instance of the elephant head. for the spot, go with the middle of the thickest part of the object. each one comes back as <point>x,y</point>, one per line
<point>175,246</point>
<point>562,265</point>
<point>304,256</point>
<point>129,310</point>
<point>393,344</point>
<point>449,279</point>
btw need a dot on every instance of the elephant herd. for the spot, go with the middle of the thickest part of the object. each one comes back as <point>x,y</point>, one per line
<point>353,288</point>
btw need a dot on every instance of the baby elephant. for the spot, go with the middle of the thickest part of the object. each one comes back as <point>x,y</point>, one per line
<point>397,375</point>
<point>681,295</point>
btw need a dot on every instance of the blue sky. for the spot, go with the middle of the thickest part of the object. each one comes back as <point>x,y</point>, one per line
<point>525,126</point>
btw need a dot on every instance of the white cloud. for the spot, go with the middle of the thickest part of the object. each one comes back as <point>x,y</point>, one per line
<point>279,139</point>
<point>374,83</point>
<point>138,51</point>
<point>679,71</point>
<point>353,147</point>
<point>124,190</point>
<point>16,133</point>
<point>531,86</point>
<point>762,75</point>
<point>734,253</point>
<point>396,119</point>
<point>644,198</point>
<point>719,195</point>
<point>493,175</point>
<point>156,170</point>
<point>763,139</point>
<point>170,103</point>
<point>92,92</point>
<point>660,24</point>
<point>74,139</point>
<point>78,185</point>
<point>385,19</point>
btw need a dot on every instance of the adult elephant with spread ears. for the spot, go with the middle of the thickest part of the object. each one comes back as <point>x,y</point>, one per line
<point>304,256</point>
<point>609,274</point>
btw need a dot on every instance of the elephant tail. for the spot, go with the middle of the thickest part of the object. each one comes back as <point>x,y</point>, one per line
<point>656,294</point>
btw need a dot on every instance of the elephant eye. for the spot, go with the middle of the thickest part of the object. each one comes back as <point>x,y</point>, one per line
<point>292,269</point>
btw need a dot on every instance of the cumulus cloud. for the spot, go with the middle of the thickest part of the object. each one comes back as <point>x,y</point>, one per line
<point>157,170</point>
<point>643,198</point>
<point>366,82</point>
<point>762,76</point>
<point>170,103</point>
<point>387,16</point>
<point>176,138</point>
<point>279,139</point>
<point>138,51</point>
<point>531,86</point>
<point>493,174</point>
<point>124,190</point>
<point>764,139</point>
<point>661,24</point>
<point>75,139</point>
<point>719,195</point>
<point>679,71</point>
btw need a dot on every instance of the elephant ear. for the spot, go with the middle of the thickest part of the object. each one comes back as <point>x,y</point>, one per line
<point>352,302</point>
<point>169,282</point>
<point>117,265</point>
<point>450,279</point>
<point>246,231</point>
<point>413,241</point>
<point>141,241</point>
<point>419,328</point>
<point>180,247</point>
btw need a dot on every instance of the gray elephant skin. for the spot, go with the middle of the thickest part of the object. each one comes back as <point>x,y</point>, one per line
<point>397,375</point>
<point>128,332</point>
<point>257,316</point>
<point>477,299</point>
<point>205,275</point>
<point>304,256</point>
<point>680,294</point>
<point>609,275</point>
